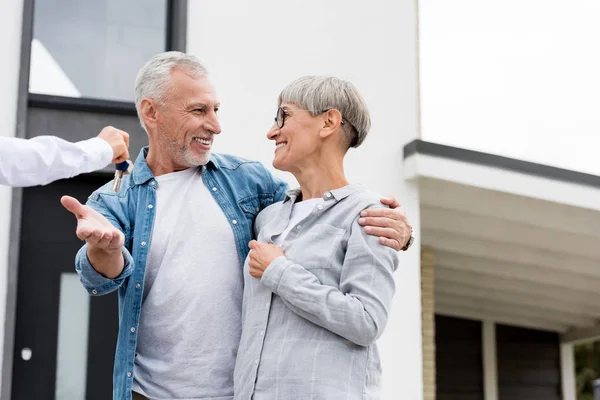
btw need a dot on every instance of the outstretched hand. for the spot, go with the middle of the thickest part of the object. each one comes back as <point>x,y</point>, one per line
<point>93,226</point>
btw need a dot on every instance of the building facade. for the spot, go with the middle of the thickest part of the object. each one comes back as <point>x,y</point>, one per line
<point>503,276</point>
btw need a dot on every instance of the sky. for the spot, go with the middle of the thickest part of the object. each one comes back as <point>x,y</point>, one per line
<point>518,78</point>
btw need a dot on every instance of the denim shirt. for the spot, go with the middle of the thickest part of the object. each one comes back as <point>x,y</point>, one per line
<point>241,188</point>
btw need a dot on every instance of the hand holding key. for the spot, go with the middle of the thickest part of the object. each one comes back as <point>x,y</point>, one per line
<point>118,140</point>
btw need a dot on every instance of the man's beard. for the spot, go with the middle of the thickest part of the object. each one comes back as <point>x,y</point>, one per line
<point>182,153</point>
<point>192,159</point>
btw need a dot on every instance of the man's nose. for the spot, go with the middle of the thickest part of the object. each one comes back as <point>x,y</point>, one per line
<point>213,124</point>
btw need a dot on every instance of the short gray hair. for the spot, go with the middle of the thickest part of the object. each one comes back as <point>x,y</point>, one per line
<point>320,93</point>
<point>153,80</point>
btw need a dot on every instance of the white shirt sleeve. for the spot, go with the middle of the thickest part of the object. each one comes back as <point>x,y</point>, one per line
<point>44,159</point>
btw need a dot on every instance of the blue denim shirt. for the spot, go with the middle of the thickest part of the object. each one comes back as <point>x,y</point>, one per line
<point>241,188</point>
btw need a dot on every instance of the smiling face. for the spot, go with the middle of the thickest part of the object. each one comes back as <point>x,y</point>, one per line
<point>299,140</point>
<point>186,123</point>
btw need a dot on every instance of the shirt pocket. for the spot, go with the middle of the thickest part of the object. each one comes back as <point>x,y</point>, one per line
<point>251,205</point>
<point>317,247</point>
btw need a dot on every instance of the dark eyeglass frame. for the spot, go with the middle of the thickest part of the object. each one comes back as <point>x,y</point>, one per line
<point>284,113</point>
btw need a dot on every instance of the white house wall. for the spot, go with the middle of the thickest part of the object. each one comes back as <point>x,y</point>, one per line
<point>253,49</point>
<point>514,78</point>
<point>10,46</point>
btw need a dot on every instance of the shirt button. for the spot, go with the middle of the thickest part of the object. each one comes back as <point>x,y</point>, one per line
<point>234,222</point>
<point>320,207</point>
<point>214,189</point>
<point>152,183</point>
<point>137,286</point>
<point>298,226</point>
<point>262,333</point>
<point>256,362</point>
<point>150,206</point>
<point>94,291</point>
<point>132,329</point>
<point>143,244</point>
<point>129,374</point>
<point>328,195</point>
<point>268,305</point>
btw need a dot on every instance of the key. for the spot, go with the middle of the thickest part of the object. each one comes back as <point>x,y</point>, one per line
<point>122,168</point>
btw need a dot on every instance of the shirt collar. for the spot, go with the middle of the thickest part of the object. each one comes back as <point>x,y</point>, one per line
<point>142,173</point>
<point>336,194</point>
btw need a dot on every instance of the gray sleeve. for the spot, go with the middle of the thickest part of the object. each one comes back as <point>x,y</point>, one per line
<point>359,309</point>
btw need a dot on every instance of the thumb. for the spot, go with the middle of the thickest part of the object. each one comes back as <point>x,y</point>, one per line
<point>73,205</point>
<point>253,244</point>
<point>390,201</point>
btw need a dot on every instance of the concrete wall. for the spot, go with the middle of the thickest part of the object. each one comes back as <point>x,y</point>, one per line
<point>10,47</point>
<point>253,49</point>
<point>515,78</point>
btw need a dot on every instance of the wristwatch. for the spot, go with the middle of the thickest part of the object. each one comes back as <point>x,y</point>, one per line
<point>410,241</point>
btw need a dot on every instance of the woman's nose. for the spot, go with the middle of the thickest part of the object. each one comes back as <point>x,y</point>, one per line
<point>273,132</point>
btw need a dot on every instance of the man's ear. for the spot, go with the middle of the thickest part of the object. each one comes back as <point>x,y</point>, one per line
<point>332,119</point>
<point>148,111</point>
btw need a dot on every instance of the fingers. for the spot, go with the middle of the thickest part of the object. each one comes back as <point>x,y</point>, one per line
<point>121,158</point>
<point>105,239</point>
<point>253,244</point>
<point>83,234</point>
<point>125,137</point>
<point>73,205</point>
<point>390,201</point>
<point>120,152</point>
<point>101,238</point>
<point>384,222</point>
<point>118,140</point>
<point>393,213</point>
<point>254,269</point>
<point>118,240</point>
<point>385,232</point>
<point>390,243</point>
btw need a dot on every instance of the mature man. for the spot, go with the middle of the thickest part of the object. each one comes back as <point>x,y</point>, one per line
<point>173,240</point>
<point>44,159</point>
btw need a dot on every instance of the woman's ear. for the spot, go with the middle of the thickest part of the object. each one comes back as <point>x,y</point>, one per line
<point>332,120</point>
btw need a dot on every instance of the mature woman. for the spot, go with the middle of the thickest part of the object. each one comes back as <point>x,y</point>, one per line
<point>317,288</point>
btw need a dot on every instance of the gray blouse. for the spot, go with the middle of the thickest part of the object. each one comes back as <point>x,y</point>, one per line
<point>311,322</point>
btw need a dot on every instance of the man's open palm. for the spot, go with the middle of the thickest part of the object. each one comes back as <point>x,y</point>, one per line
<point>93,226</point>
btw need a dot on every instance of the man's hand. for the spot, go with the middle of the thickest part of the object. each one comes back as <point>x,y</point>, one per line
<point>93,227</point>
<point>390,224</point>
<point>104,240</point>
<point>261,256</point>
<point>118,140</point>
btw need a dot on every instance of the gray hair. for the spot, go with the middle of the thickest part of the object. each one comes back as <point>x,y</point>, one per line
<point>320,93</point>
<point>153,80</point>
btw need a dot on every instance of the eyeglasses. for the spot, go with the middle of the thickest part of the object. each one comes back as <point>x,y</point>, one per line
<point>282,114</point>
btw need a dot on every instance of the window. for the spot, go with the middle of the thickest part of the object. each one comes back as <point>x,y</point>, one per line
<point>93,49</point>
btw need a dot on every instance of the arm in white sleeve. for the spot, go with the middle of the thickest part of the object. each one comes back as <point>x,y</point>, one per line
<point>44,159</point>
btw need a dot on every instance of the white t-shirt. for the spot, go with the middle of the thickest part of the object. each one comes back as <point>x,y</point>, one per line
<point>190,322</point>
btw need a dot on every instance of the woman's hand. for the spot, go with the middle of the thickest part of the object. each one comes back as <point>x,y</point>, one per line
<point>261,256</point>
